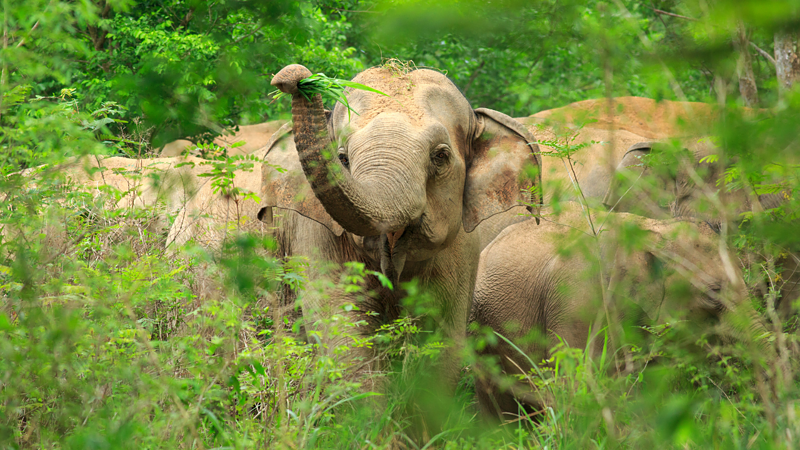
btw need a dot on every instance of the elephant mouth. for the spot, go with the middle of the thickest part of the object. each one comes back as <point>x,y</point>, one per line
<point>393,250</point>
<point>392,238</point>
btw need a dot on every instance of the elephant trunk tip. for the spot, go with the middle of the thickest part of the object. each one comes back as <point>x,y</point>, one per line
<point>288,78</point>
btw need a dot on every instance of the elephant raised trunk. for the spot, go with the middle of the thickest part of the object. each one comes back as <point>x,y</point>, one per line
<point>355,207</point>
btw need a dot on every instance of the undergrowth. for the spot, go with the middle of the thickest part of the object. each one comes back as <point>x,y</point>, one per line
<point>109,340</point>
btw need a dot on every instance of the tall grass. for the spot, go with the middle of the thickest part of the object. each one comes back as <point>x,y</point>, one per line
<point>109,340</point>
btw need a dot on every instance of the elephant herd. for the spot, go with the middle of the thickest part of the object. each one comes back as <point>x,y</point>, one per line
<point>420,186</point>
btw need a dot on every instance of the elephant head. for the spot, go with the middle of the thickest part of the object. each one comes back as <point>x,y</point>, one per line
<point>539,285</point>
<point>684,269</point>
<point>404,173</point>
<point>681,186</point>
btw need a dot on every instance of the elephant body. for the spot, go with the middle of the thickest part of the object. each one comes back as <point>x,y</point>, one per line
<point>251,137</point>
<point>162,185</point>
<point>612,173</point>
<point>209,215</point>
<point>149,183</point>
<point>401,187</point>
<point>175,187</point>
<point>527,281</point>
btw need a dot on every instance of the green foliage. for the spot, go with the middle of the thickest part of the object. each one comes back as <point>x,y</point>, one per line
<point>109,340</point>
<point>331,88</point>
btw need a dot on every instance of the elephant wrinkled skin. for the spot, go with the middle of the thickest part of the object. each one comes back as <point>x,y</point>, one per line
<point>526,283</point>
<point>400,186</point>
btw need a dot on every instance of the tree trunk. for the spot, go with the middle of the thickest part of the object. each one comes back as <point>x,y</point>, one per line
<point>787,59</point>
<point>744,68</point>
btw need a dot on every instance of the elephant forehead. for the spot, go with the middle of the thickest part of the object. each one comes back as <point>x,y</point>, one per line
<point>409,93</point>
<point>390,130</point>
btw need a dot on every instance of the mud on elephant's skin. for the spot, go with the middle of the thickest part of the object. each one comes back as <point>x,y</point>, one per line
<point>401,187</point>
<point>526,283</point>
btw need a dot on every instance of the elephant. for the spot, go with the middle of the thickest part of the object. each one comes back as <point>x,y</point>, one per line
<point>645,117</point>
<point>252,138</point>
<point>607,171</point>
<point>399,184</point>
<point>209,214</point>
<point>674,191</point>
<point>142,183</point>
<point>539,277</point>
<point>161,184</point>
<point>592,169</point>
<point>593,166</point>
<point>607,136</point>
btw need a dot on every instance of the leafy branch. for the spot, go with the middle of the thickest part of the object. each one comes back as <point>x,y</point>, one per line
<point>330,88</point>
<point>564,148</point>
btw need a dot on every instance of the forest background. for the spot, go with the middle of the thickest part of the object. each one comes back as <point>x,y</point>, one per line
<point>162,70</point>
<point>107,345</point>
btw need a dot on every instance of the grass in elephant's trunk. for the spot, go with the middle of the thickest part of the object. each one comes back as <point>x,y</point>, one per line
<point>330,88</point>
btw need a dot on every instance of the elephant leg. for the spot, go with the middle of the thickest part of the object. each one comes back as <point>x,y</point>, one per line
<point>333,317</point>
<point>790,290</point>
<point>335,321</point>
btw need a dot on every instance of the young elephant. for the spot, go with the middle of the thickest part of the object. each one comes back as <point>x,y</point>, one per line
<point>550,278</point>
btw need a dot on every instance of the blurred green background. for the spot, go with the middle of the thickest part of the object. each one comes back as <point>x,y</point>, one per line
<point>170,69</point>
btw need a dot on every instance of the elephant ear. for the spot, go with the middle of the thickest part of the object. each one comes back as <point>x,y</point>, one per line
<point>651,290</point>
<point>502,168</point>
<point>630,167</point>
<point>635,188</point>
<point>284,185</point>
<point>638,272</point>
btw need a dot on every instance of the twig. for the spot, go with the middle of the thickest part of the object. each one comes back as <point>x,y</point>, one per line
<point>658,11</point>
<point>360,11</point>
<point>563,224</point>
<point>187,18</point>
<point>783,353</point>
<point>729,400</point>
<point>473,76</point>
<point>574,181</point>
<point>676,87</point>
<point>761,52</point>
<point>22,41</point>
<point>236,41</point>
<point>600,228</point>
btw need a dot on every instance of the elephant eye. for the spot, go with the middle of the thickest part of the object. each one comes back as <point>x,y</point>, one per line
<point>441,155</point>
<point>343,159</point>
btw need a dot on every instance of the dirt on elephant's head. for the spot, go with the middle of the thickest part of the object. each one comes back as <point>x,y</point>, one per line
<point>643,116</point>
<point>397,86</point>
<point>400,83</point>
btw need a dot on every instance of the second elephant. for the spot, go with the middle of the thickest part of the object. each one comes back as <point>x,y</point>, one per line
<point>692,186</point>
<point>550,279</point>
